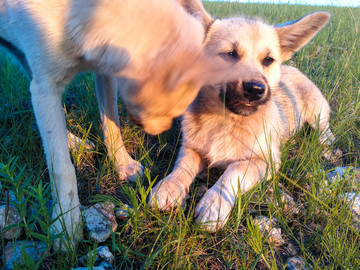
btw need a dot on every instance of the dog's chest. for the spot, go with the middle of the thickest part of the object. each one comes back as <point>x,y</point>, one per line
<point>222,140</point>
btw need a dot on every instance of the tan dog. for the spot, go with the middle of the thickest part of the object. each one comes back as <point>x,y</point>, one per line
<point>150,52</point>
<point>239,126</point>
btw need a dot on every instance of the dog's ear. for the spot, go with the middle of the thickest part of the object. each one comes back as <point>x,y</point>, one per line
<point>197,10</point>
<point>107,59</point>
<point>294,35</point>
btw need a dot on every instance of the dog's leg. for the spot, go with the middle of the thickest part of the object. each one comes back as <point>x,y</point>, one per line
<point>213,210</point>
<point>107,95</point>
<point>317,114</point>
<point>171,191</point>
<point>46,99</point>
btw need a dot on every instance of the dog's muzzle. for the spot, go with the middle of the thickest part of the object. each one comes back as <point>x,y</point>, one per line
<point>244,98</point>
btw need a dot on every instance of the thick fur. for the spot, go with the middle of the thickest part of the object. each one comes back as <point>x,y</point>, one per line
<point>150,52</point>
<point>225,128</point>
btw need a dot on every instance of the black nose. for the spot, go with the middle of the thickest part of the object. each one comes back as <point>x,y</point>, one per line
<point>253,90</point>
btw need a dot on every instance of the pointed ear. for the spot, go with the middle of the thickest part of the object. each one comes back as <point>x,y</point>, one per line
<point>196,9</point>
<point>294,35</point>
<point>107,59</point>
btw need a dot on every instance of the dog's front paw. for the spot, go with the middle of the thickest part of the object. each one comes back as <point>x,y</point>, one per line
<point>167,194</point>
<point>70,226</point>
<point>212,212</point>
<point>130,171</point>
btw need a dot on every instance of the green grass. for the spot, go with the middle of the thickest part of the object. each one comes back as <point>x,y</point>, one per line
<point>322,232</point>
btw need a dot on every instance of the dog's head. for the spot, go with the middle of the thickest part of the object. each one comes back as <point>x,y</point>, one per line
<point>260,47</point>
<point>154,102</point>
<point>158,47</point>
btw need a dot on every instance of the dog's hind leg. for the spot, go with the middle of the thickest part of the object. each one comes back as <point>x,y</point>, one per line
<point>317,113</point>
<point>170,192</point>
<point>47,103</point>
<point>213,210</point>
<point>107,95</point>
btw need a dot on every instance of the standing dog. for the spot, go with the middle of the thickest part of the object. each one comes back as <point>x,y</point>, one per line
<point>240,125</point>
<point>150,52</point>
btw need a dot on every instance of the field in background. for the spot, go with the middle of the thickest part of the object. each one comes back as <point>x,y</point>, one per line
<point>321,233</point>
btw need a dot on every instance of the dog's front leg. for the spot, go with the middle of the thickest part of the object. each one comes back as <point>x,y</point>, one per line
<point>213,210</point>
<point>107,95</point>
<point>170,192</point>
<point>47,103</point>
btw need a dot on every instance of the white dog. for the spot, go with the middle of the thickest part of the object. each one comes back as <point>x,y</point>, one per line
<point>239,126</point>
<point>150,52</point>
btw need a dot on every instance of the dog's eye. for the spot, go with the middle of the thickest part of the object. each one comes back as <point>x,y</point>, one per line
<point>267,61</point>
<point>232,55</point>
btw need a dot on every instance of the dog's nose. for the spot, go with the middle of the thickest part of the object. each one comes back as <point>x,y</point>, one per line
<point>253,90</point>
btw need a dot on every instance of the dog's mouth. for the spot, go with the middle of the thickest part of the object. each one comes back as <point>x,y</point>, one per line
<point>244,98</point>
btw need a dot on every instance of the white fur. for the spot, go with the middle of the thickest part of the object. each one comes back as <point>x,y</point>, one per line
<point>247,146</point>
<point>150,52</point>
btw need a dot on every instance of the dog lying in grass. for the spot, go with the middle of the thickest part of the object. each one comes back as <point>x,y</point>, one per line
<point>150,52</point>
<point>240,125</point>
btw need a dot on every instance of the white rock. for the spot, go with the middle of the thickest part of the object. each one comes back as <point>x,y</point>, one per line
<point>75,143</point>
<point>12,218</point>
<point>100,221</point>
<point>296,263</point>
<point>289,204</point>
<point>104,253</point>
<point>267,228</point>
<point>353,199</point>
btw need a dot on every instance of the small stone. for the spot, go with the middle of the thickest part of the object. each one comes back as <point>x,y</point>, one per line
<point>75,143</point>
<point>334,156</point>
<point>100,221</point>
<point>104,253</point>
<point>296,263</point>
<point>289,204</point>
<point>13,219</point>
<point>336,174</point>
<point>267,226</point>
<point>353,199</point>
<point>13,252</point>
<point>123,212</point>
<point>343,172</point>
